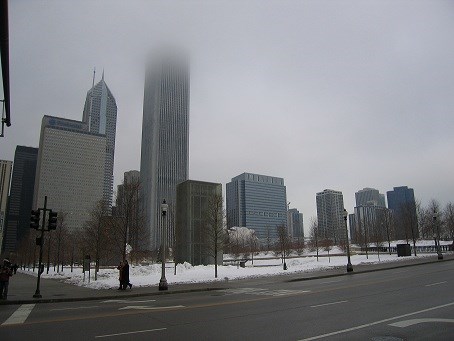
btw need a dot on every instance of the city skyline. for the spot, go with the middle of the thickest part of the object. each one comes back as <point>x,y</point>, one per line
<point>325,95</point>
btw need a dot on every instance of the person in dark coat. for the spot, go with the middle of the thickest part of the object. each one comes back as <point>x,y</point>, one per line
<point>5,273</point>
<point>125,275</point>
<point>120,275</point>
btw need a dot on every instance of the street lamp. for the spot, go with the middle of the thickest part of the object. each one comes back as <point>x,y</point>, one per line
<point>440,255</point>
<point>349,264</point>
<point>163,281</point>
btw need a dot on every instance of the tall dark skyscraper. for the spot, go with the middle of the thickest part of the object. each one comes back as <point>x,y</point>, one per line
<point>100,113</point>
<point>165,139</point>
<point>21,196</point>
<point>401,200</point>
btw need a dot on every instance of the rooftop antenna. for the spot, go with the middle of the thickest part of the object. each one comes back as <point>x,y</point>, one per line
<point>91,99</point>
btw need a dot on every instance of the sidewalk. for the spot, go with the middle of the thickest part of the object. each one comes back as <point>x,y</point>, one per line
<point>22,287</point>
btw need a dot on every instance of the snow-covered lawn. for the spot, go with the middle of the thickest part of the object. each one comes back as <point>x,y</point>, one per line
<point>149,275</point>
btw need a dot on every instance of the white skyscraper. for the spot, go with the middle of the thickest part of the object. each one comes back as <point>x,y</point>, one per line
<point>100,113</point>
<point>165,140</point>
<point>70,169</point>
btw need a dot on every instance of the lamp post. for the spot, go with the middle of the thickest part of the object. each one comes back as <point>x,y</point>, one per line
<point>437,243</point>
<point>163,281</point>
<point>349,264</point>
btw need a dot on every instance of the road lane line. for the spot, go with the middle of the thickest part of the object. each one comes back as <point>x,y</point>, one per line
<point>20,315</point>
<point>127,301</point>
<point>76,308</point>
<point>407,323</point>
<point>142,307</point>
<point>325,304</point>
<point>429,285</point>
<point>329,282</point>
<point>362,326</point>
<point>129,333</point>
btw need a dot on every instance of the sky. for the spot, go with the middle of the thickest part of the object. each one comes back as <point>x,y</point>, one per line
<point>326,94</point>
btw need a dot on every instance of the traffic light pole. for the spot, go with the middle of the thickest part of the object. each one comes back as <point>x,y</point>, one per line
<point>37,292</point>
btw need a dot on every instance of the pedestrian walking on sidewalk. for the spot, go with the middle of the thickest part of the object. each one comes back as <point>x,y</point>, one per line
<point>5,273</point>
<point>125,275</point>
<point>120,275</point>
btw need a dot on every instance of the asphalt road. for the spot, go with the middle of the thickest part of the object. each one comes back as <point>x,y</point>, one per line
<point>414,303</point>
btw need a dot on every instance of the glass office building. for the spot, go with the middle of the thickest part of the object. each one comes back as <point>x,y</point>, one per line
<point>258,202</point>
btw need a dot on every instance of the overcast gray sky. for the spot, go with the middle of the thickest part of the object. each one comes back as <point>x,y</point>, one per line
<point>326,94</point>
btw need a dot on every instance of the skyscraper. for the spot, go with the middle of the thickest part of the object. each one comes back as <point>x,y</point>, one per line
<point>370,196</point>
<point>401,200</point>
<point>21,197</point>
<point>100,113</point>
<point>330,209</point>
<point>295,223</point>
<point>370,218</point>
<point>5,177</point>
<point>165,139</point>
<point>258,202</point>
<point>70,169</point>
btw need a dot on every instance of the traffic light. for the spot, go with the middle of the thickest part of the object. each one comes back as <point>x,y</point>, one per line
<point>52,221</point>
<point>34,220</point>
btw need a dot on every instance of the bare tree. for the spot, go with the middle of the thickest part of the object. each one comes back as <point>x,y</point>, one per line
<point>314,235</point>
<point>449,220</point>
<point>299,245</point>
<point>61,237</point>
<point>377,235</point>
<point>387,222</point>
<point>129,226</point>
<point>95,236</point>
<point>424,217</point>
<point>409,222</point>
<point>214,230</point>
<point>268,240</point>
<point>327,245</point>
<point>284,242</point>
<point>253,243</point>
<point>434,209</point>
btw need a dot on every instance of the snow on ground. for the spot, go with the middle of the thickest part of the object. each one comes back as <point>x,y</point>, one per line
<point>149,275</point>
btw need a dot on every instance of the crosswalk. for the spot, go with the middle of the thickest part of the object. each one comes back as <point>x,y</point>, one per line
<point>20,315</point>
<point>262,292</point>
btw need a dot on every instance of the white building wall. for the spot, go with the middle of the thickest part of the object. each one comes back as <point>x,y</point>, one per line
<point>70,172</point>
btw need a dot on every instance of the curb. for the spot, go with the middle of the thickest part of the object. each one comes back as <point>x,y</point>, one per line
<point>107,297</point>
<point>367,270</point>
<point>203,289</point>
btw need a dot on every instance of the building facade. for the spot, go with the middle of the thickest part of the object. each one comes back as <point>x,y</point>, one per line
<point>21,197</point>
<point>5,178</point>
<point>165,140</point>
<point>100,114</point>
<point>192,243</point>
<point>370,196</point>
<point>258,202</point>
<point>401,201</point>
<point>330,215</point>
<point>295,224</point>
<point>70,169</point>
